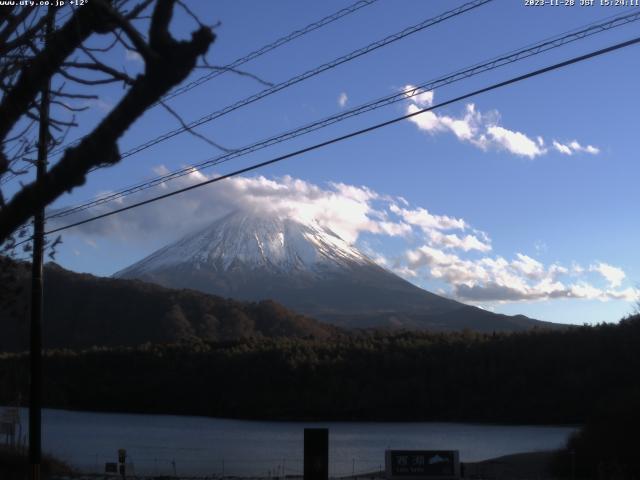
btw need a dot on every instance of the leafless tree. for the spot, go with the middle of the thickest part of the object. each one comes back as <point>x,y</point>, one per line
<point>73,56</point>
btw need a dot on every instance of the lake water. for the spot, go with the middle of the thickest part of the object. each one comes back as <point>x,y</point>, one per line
<point>156,444</point>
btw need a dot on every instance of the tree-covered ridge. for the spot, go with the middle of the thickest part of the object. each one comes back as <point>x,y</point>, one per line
<point>82,310</point>
<point>535,377</point>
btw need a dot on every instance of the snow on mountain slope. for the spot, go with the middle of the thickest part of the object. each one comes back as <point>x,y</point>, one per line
<point>254,241</point>
<point>308,268</point>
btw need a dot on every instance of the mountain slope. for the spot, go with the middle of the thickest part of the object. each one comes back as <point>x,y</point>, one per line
<point>310,269</point>
<point>82,310</point>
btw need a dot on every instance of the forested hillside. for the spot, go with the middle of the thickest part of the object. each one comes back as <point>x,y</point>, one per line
<point>536,377</point>
<point>83,310</point>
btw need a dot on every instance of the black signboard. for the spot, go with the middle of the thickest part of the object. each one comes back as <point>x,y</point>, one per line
<point>316,454</point>
<point>422,464</point>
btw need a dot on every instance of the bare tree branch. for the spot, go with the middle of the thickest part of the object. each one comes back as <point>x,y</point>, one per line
<point>139,43</point>
<point>13,22</point>
<point>20,132</point>
<point>69,107</point>
<point>237,72</point>
<point>86,81</point>
<point>170,63</point>
<point>138,9</point>
<point>75,95</point>
<point>29,33</point>
<point>103,49</point>
<point>101,67</point>
<point>191,130</point>
<point>189,12</point>
<point>61,44</point>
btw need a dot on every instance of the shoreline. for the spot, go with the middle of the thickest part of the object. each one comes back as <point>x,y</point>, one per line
<point>519,466</point>
<point>525,465</point>
<point>312,420</point>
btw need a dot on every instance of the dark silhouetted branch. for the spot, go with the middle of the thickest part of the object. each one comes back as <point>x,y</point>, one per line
<point>169,64</point>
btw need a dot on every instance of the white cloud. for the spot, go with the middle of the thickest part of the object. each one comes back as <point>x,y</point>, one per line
<point>133,56</point>
<point>99,103</point>
<point>613,275</point>
<point>564,149</point>
<point>441,247</point>
<point>528,266</point>
<point>576,269</point>
<point>404,272</point>
<point>347,209</point>
<point>495,279</point>
<point>574,147</point>
<point>481,129</point>
<point>343,99</point>
<point>464,128</point>
<point>628,294</point>
<point>393,229</point>
<point>514,142</point>
<point>428,121</point>
<point>453,241</point>
<point>584,290</point>
<point>425,220</point>
<point>556,269</point>
<point>423,98</point>
<point>592,150</point>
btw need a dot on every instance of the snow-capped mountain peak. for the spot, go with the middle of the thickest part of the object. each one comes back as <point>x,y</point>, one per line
<point>308,268</point>
<point>255,241</point>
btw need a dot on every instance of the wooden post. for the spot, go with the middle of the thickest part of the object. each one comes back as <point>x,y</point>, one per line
<point>35,346</point>
<point>316,454</point>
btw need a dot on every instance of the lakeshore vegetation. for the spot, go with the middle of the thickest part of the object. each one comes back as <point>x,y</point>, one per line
<point>536,377</point>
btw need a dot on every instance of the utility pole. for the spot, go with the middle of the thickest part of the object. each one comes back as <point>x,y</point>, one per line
<point>35,352</point>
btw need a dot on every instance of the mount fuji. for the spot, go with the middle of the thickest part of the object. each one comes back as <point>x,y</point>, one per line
<point>310,269</point>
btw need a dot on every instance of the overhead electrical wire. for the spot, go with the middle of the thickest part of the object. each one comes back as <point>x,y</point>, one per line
<point>309,74</point>
<point>272,46</point>
<point>252,56</point>
<point>240,61</point>
<point>496,62</point>
<point>377,126</point>
<point>294,80</point>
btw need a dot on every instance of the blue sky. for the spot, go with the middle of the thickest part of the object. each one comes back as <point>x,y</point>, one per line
<point>475,201</point>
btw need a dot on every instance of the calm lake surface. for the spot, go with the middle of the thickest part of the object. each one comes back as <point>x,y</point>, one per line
<point>156,444</point>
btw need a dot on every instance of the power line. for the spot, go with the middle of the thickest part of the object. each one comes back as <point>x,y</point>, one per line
<point>272,46</point>
<point>496,62</point>
<point>253,55</point>
<point>297,79</point>
<point>240,61</point>
<point>308,74</point>
<point>494,86</point>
